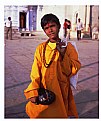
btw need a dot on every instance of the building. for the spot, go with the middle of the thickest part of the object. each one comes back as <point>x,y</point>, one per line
<point>22,16</point>
<point>27,17</point>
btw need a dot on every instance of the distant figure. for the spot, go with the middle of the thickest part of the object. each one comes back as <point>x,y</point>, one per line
<point>95,32</point>
<point>68,28</point>
<point>65,28</point>
<point>8,25</point>
<point>79,28</point>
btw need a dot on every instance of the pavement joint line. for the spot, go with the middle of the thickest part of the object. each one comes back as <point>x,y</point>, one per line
<point>86,101</point>
<point>88,78</point>
<point>13,86</point>
<point>19,63</point>
<point>89,64</point>
<point>16,113</point>
<point>30,81</point>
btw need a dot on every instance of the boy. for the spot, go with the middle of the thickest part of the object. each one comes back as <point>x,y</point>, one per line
<point>53,67</point>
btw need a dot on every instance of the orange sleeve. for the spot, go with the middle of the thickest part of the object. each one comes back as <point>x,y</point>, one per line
<point>70,60</point>
<point>31,93</point>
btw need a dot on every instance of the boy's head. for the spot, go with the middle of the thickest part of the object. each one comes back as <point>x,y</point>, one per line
<point>48,18</point>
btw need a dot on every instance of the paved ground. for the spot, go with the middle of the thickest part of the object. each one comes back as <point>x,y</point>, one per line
<point>18,60</point>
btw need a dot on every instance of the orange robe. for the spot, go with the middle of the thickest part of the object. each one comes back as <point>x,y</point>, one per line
<point>55,78</point>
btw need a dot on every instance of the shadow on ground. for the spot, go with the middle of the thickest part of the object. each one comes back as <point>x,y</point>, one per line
<point>86,101</point>
<point>17,111</point>
<point>87,104</point>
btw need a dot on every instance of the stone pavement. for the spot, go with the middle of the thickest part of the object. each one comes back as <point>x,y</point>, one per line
<point>18,61</point>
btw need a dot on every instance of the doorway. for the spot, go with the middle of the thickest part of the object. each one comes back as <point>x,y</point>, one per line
<point>22,20</point>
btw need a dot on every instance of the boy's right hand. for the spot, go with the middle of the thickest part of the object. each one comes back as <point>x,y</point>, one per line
<point>33,99</point>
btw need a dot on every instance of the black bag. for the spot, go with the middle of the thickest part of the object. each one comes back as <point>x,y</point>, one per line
<point>45,97</point>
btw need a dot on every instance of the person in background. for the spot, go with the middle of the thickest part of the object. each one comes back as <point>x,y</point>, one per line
<point>8,25</point>
<point>68,28</point>
<point>65,28</point>
<point>52,66</point>
<point>79,28</point>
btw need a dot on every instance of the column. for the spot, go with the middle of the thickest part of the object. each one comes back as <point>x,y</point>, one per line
<point>88,18</point>
<point>30,18</point>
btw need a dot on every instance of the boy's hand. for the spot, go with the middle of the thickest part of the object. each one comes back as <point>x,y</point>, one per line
<point>33,99</point>
<point>60,48</point>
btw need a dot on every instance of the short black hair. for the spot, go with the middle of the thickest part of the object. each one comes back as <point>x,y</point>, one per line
<point>65,20</point>
<point>49,18</point>
<point>9,18</point>
<point>79,19</point>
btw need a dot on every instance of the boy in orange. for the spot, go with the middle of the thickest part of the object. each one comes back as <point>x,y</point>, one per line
<point>53,67</point>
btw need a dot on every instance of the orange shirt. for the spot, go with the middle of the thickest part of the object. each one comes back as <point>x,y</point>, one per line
<point>55,78</point>
<point>65,25</point>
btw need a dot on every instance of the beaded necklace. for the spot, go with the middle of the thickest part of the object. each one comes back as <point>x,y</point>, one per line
<point>53,57</point>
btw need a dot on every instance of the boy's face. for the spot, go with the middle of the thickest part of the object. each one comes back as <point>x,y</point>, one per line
<point>52,30</point>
